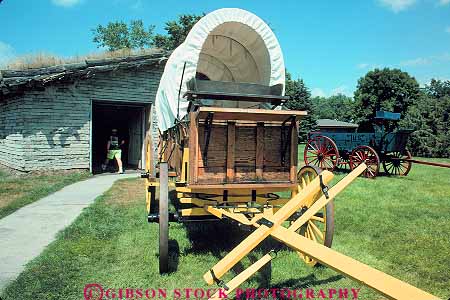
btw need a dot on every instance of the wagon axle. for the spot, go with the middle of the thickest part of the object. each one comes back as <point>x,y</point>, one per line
<point>154,217</point>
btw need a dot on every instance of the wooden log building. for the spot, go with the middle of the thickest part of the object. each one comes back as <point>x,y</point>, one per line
<point>60,117</point>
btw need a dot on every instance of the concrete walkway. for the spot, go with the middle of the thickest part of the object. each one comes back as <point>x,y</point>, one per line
<point>26,232</point>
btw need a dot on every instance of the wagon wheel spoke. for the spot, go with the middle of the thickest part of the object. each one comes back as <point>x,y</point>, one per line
<point>329,164</point>
<point>313,161</point>
<point>313,150</point>
<point>396,163</point>
<point>311,234</point>
<point>405,164</point>
<point>359,156</point>
<point>304,183</point>
<point>319,219</point>
<point>328,151</point>
<point>317,146</point>
<point>308,180</point>
<point>322,152</point>
<point>319,228</point>
<point>390,167</point>
<point>367,155</point>
<point>316,230</point>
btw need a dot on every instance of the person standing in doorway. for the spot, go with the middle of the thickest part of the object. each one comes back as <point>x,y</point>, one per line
<point>114,151</point>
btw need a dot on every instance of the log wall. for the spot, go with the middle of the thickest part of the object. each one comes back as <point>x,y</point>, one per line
<point>11,134</point>
<point>50,129</point>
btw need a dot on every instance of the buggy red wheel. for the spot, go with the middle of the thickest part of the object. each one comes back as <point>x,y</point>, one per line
<point>322,152</point>
<point>395,163</point>
<point>367,155</point>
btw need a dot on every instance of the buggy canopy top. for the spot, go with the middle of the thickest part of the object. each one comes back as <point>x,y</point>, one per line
<point>229,44</point>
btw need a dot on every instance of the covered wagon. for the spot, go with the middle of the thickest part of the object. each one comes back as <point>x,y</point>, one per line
<point>228,151</point>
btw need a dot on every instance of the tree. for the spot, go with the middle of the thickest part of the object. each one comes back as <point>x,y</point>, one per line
<point>176,31</point>
<point>438,88</point>
<point>118,35</point>
<point>429,117</point>
<point>300,99</point>
<point>337,107</point>
<point>386,89</point>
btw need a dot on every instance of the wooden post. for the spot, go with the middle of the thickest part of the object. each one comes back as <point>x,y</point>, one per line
<point>149,163</point>
<point>193,148</point>
<point>294,152</point>
<point>259,150</point>
<point>231,142</point>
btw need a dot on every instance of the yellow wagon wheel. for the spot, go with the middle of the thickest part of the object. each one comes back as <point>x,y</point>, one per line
<point>320,227</point>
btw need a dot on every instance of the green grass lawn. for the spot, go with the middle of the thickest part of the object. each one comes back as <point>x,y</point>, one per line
<point>17,191</point>
<point>399,225</point>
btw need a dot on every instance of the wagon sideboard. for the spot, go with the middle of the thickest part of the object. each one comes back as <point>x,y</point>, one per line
<point>380,141</point>
<point>236,148</point>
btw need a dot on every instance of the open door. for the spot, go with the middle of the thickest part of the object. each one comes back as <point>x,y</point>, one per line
<point>135,133</point>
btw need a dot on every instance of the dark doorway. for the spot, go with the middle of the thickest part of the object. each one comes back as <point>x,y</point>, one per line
<point>127,119</point>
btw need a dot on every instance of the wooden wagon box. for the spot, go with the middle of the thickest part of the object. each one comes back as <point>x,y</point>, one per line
<point>229,147</point>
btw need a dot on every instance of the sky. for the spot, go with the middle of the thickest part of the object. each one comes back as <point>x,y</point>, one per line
<point>329,44</point>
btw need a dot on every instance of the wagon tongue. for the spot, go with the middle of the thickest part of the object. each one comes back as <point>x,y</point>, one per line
<point>272,226</point>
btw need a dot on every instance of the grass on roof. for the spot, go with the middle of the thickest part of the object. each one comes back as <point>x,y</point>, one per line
<point>43,60</point>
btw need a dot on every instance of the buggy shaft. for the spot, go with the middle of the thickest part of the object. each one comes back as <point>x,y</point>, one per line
<point>428,163</point>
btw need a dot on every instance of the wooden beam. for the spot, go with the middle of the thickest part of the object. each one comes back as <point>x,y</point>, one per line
<point>385,284</point>
<point>149,155</point>
<point>193,212</point>
<point>323,200</point>
<point>247,114</point>
<point>260,150</point>
<point>243,186</point>
<point>193,148</point>
<point>294,153</point>
<point>243,276</point>
<point>428,163</point>
<point>231,147</point>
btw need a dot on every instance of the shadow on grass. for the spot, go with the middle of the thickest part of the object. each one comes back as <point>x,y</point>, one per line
<point>219,237</point>
<point>174,255</point>
<point>300,284</point>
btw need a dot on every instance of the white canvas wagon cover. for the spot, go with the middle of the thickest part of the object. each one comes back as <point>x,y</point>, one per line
<point>228,44</point>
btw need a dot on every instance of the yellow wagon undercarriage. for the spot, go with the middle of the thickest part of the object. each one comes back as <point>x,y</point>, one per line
<point>276,217</point>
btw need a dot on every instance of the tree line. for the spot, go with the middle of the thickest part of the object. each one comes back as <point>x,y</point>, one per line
<point>424,110</point>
